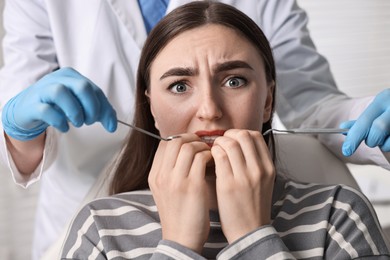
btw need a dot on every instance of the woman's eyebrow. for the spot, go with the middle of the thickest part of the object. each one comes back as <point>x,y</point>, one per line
<point>230,65</point>
<point>179,71</point>
<point>185,71</point>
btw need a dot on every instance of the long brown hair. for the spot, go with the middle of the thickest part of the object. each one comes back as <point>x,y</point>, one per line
<point>136,159</point>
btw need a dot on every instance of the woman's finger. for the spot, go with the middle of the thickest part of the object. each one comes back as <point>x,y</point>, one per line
<point>157,163</point>
<point>263,152</point>
<point>223,168</point>
<point>232,155</point>
<point>247,141</point>
<point>186,157</point>
<point>173,149</point>
<point>197,172</point>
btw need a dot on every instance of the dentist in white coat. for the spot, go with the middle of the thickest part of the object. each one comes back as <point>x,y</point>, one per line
<point>69,64</point>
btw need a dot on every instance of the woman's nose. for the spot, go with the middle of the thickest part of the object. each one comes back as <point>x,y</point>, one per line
<point>209,108</point>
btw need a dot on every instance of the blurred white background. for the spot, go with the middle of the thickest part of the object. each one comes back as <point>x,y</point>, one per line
<point>355,37</point>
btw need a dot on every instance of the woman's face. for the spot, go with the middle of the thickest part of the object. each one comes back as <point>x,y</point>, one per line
<point>208,80</point>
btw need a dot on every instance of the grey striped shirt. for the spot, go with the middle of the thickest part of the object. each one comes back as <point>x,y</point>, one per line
<point>309,221</point>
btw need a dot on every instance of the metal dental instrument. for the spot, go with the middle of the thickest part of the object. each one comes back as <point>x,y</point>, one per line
<point>310,131</point>
<point>169,138</point>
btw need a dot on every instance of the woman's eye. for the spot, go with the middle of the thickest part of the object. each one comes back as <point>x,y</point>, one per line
<point>178,87</point>
<point>235,82</point>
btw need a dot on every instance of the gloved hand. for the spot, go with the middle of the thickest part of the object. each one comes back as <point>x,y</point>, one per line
<point>373,126</point>
<point>58,98</point>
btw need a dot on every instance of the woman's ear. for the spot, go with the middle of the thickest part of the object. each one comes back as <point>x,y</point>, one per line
<point>147,94</point>
<point>269,102</point>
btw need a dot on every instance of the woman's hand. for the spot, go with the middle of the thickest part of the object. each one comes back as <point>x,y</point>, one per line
<point>245,179</point>
<point>177,181</point>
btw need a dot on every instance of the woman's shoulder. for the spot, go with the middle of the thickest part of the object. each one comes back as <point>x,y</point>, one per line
<point>332,194</point>
<point>120,206</point>
<point>317,191</point>
<point>122,221</point>
<point>343,212</point>
<point>323,201</point>
<point>114,211</point>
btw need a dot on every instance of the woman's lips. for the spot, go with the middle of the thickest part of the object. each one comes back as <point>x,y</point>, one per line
<point>209,136</point>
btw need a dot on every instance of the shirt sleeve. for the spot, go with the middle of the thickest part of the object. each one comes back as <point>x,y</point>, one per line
<point>49,154</point>
<point>83,239</point>
<point>101,231</point>
<point>332,117</point>
<point>262,243</point>
<point>352,232</point>
<point>304,78</point>
<point>307,94</point>
<point>28,48</point>
<point>28,54</point>
<point>353,228</point>
<point>170,250</point>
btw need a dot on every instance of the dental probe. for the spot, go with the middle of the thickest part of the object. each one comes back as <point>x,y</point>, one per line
<point>169,138</point>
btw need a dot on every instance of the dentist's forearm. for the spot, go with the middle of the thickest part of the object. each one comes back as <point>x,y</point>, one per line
<point>26,155</point>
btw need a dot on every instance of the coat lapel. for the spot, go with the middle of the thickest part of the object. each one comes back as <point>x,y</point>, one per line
<point>129,14</point>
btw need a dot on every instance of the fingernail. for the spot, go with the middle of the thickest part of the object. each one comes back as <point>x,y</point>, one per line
<point>78,123</point>
<point>112,126</point>
<point>347,151</point>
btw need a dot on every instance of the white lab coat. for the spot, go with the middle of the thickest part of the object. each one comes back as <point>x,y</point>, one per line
<point>102,40</point>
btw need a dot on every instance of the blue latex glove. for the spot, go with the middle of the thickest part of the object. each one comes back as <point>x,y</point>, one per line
<point>55,100</point>
<point>373,126</point>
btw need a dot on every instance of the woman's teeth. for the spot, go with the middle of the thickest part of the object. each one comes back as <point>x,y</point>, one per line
<point>209,139</point>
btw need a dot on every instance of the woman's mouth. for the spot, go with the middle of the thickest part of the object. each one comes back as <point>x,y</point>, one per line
<point>209,136</point>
